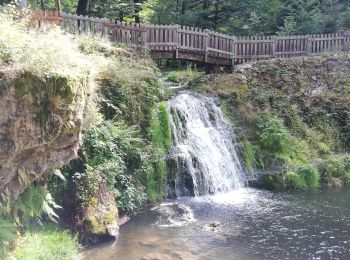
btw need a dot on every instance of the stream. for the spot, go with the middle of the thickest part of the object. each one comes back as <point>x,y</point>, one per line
<point>243,224</point>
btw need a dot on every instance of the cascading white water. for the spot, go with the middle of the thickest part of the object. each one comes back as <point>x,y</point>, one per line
<point>203,159</point>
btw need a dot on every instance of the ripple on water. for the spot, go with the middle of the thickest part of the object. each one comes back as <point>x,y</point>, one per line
<point>249,224</point>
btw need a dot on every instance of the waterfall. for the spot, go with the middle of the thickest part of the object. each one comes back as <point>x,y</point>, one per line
<point>203,159</point>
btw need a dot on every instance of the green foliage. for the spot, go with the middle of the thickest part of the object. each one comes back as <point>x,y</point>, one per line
<point>47,242</point>
<point>310,175</point>
<point>254,17</point>
<point>159,129</point>
<point>34,203</point>
<point>252,156</point>
<point>294,180</point>
<point>7,235</point>
<point>303,178</point>
<point>336,167</point>
<point>183,76</point>
<point>129,91</point>
<point>117,155</point>
<point>274,137</point>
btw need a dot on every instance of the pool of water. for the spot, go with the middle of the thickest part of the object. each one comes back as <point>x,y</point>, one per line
<point>242,224</point>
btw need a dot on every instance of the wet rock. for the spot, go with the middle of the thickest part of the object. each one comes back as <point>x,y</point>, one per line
<point>335,183</point>
<point>149,242</point>
<point>212,226</point>
<point>174,214</point>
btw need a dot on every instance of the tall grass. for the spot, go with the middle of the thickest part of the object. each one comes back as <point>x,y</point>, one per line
<point>47,242</point>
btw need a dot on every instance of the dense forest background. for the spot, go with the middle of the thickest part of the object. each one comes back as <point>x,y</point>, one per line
<point>239,17</point>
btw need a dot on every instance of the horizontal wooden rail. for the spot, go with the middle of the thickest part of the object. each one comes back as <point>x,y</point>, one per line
<point>184,42</point>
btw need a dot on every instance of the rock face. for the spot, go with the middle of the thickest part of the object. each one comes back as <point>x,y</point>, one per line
<point>40,127</point>
<point>100,217</point>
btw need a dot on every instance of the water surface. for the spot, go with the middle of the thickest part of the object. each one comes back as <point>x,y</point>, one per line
<point>242,224</point>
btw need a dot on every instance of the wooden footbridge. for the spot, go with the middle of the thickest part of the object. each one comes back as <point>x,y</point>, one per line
<point>194,44</point>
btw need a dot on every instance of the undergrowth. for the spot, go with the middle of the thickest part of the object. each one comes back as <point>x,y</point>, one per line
<point>47,242</point>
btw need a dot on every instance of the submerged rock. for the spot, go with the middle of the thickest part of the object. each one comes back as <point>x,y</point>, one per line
<point>174,214</point>
<point>156,256</point>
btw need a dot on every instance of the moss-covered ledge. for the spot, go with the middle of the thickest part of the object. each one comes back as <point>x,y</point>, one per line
<point>40,126</point>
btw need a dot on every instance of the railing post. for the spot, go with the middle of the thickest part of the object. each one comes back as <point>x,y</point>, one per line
<point>177,41</point>
<point>309,45</point>
<point>274,46</point>
<point>232,50</point>
<point>206,45</point>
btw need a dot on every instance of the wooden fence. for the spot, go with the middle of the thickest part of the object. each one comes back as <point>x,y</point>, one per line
<point>183,42</point>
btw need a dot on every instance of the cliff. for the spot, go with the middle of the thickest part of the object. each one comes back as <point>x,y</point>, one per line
<point>44,79</point>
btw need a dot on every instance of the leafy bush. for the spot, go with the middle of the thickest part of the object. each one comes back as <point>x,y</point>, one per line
<point>275,138</point>
<point>335,167</point>
<point>117,155</point>
<point>47,242</point>
<point>310,175</point>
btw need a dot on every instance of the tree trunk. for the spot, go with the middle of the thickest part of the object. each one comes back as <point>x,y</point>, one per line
<point>183,9</point>
<point>82,7</point>
<point>216,17</point>
<point>58,5</point>
<point>205,4</point>
<point>137,7</point>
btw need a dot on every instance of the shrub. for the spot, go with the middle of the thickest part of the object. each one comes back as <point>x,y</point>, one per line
<point>275,138</point>
<point>294,180</point>
<point>335,167</point>
<point>117,155</point>
<point>310,175</point>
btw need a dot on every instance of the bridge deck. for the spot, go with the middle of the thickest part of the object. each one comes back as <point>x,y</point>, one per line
<point>188,43</point>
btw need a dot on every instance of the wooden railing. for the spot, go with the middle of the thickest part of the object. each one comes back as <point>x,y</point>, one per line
<point>183,42</point>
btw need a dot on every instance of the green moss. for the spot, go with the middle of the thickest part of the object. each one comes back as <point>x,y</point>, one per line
<point>99,217</point>
<point>160,130</point>
<point>160,136</point>
<point>225,108</point>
